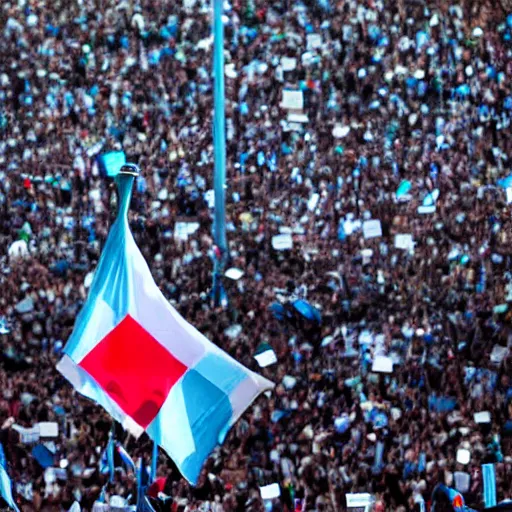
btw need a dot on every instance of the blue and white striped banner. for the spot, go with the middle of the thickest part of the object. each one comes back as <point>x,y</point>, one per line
<point>489,477</point>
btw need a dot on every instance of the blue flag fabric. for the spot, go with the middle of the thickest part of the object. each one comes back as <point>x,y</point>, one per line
<point>107,460</point>
<point>43,456</point>
<point>308,311</point>
<point>143,480</point>
<point>489,477</point>
<point>5,482</point>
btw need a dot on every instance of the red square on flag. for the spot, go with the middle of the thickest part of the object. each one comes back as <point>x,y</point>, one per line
<point>134,369</point>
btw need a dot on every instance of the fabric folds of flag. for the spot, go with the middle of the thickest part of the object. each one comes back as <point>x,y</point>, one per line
<point>132,353</point>
<point>5,482</point>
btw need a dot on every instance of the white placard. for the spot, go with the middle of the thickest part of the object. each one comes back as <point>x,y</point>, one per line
<point>182,230</point>
<point>209,197</point>
<point>461,480</point>
<point>372,229</point>
<point>498,354</point>
<point>25,306</point>
<point>359,500</point>
<point>266,358</point>
<point>234,273</point>
<point>288,63</point>
<point>282,242</point>
<point>404,241</point>
<point>314,41</point>
<point>18,249</point>
<point>509,195</point>
<point>313,202</point>
<point>463,456</point>
<point>48,429</point>
<point>297,118</point>
<point>382,364</point>
<point>292,100</point>
<point>423,210</point>
<point>289,381</point>
<point>482,417</point>
<point>269,492</point>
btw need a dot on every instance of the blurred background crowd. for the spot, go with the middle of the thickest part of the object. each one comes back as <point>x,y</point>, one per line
<point>405,120</point>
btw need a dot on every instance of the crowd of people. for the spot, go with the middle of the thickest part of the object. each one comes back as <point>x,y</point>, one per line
<point>404,119</point>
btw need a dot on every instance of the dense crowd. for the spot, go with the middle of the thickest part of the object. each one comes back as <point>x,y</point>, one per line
<point>405,120</point>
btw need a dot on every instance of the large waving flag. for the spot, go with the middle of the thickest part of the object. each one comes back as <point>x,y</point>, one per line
<point>132,353</point>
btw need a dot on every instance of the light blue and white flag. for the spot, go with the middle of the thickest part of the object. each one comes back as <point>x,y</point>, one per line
<point>136,356</point>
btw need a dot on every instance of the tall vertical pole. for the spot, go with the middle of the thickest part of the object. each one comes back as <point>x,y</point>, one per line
<point>154,462</point>
<point>219,145</point>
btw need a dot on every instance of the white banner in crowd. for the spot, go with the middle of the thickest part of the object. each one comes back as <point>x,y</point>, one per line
<point>282,242</point>
<point>292,100</point>
<point>372,228</point>
<point>44,429</point>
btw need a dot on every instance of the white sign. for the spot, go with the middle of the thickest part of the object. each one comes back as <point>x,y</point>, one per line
<point>269,492</point>
<point>313,202</point>
<point>209,197</point>
<point>234,273</point>
<point>314,41</point>
<point>498,354</point>
<point>461,480</point>
<point>292,100</point>
<point>18,249</point>
<point>48,429</point>
<point>423,210</point>
<point>297,118</point>
<point>405,242</point>
<point>372,229</point>
<point>182,230</point>
<point>282,242</point>
<point>382,364</point>
<point>289,381</point>
<point>288,63</point>
<point>359,500</point>
<point>482,417</point>
<point>266,358</point>
<point>463,456</point>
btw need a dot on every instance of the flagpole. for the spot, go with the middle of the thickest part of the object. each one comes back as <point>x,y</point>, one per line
<point>110,452</point>
<point>154,462</point>
<point>219,145</point>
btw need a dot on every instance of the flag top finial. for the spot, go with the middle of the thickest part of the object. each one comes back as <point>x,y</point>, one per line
<point>124,180</point>
<point>130,169</point>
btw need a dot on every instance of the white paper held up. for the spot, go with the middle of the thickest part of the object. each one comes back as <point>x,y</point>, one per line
<point>382,364</point>
<point>482,417</point>
<point>269,492</point>
<point>282,242</point>
<point>372,229</point>
<point>292,100</point>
